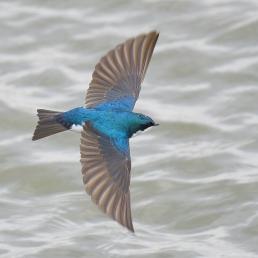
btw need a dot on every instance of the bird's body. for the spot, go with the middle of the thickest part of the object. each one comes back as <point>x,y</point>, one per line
<point>111,123</point>
<point>107,122</point>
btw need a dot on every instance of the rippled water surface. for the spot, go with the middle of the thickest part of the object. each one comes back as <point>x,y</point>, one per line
<point>195,177</point>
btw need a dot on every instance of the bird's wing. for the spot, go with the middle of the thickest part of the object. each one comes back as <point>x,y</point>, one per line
<point>106,168</point>
<point>117,78</point>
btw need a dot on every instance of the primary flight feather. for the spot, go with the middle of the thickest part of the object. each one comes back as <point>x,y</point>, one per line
<point>107,123</point>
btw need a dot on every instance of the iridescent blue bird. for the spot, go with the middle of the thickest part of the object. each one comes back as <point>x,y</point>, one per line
<point>107,123</point>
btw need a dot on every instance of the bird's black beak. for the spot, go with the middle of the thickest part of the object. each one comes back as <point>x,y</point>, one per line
<point>154,124</point>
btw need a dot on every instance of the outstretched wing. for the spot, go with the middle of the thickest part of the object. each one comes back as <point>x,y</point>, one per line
<point>106,168</point>
<point>117,78</point>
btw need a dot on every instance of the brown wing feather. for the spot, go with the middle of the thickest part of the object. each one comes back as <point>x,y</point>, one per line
<point>106,180</point>
<point>121,71</point>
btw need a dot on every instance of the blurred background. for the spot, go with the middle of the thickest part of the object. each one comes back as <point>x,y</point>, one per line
<point>194,185</point>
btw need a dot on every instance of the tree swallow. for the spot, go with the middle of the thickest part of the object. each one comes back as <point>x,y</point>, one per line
<point>107,123</point>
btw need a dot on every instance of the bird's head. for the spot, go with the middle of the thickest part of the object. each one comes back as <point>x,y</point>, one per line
<point>141,122</point>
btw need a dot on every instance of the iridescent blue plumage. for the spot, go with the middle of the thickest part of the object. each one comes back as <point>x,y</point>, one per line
<point>107,124</point>
<point>123,103</point>
<point>115,123</point>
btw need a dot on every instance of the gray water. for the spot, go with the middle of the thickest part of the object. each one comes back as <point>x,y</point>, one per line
<point>194,181</point>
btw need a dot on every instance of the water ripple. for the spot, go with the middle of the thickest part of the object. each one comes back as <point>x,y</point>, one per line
<point>194,178</point>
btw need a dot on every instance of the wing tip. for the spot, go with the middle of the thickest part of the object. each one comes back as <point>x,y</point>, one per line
<point>152,33</point>
<point>124,218</point>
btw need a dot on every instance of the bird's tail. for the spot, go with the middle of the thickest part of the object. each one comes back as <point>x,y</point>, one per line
<point>48,124</point>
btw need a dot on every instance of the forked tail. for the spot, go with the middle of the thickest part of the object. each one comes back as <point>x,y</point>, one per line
<point>49,123</point>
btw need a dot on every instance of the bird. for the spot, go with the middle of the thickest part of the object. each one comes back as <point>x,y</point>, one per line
<point>106,123</point>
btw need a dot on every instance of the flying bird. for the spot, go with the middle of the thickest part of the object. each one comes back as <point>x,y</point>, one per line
<point>107,122</point>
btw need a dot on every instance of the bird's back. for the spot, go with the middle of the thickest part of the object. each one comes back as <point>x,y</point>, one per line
<point>114,124</point>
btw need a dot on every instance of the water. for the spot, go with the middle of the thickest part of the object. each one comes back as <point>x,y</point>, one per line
<point>194,180</point>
